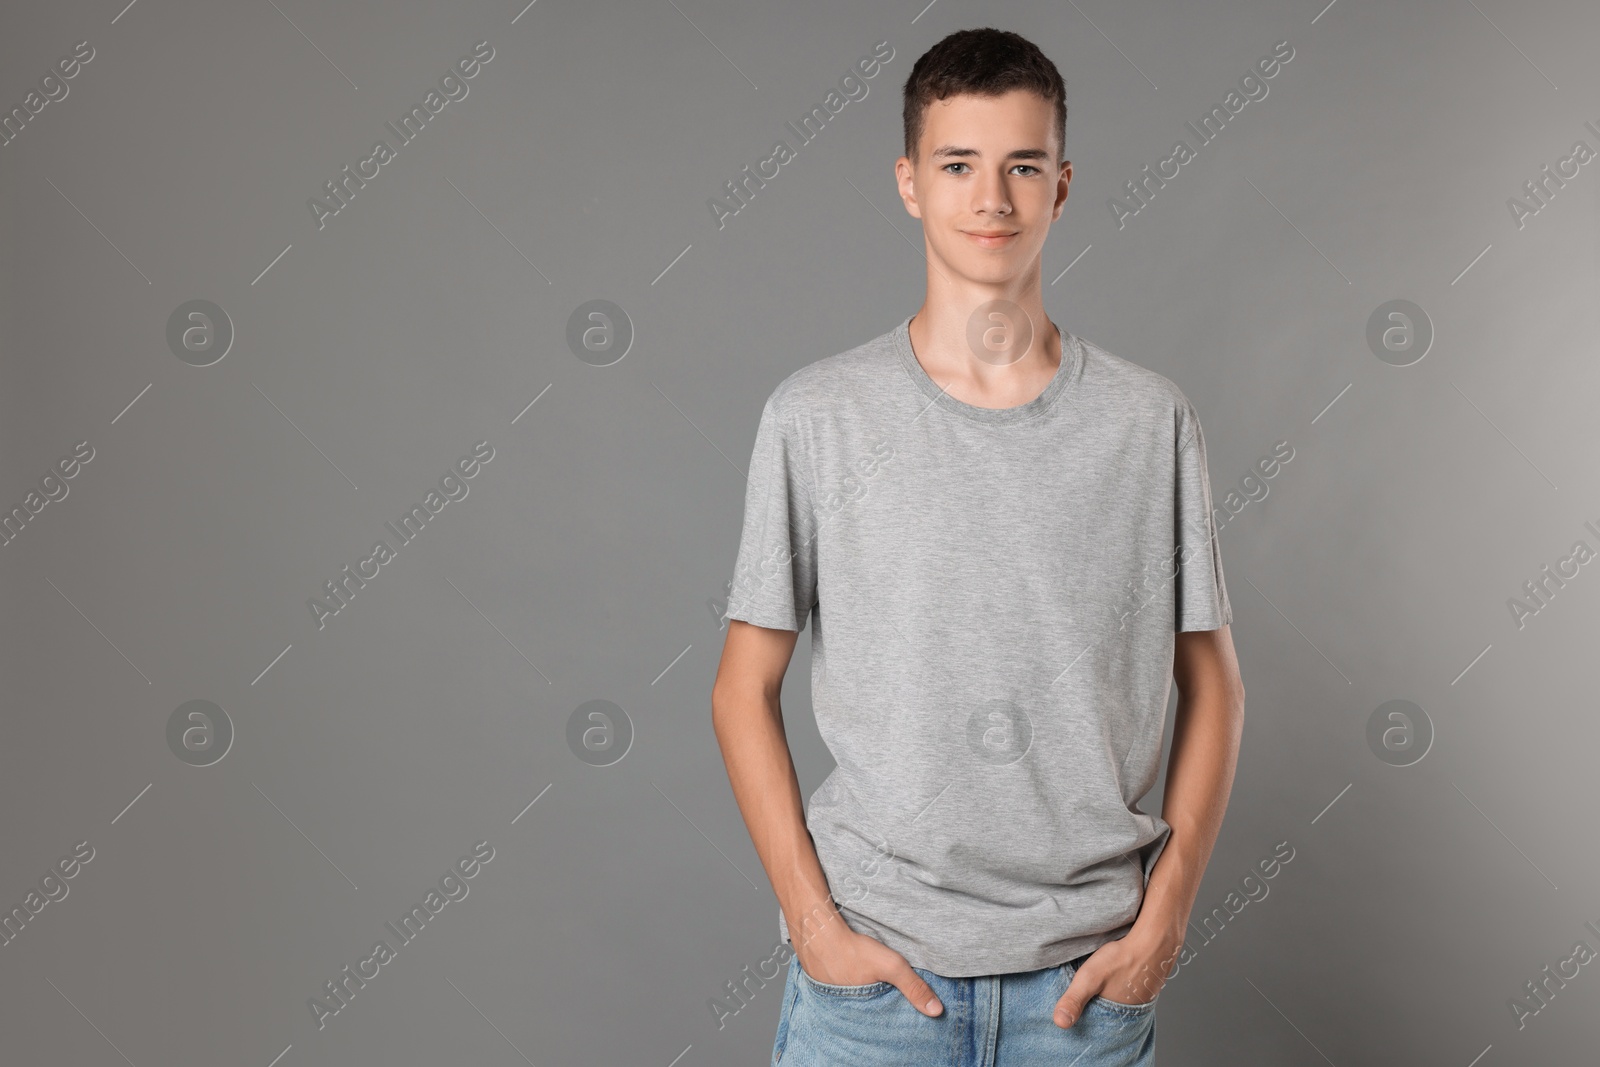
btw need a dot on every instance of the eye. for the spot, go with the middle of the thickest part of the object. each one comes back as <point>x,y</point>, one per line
<point>1025,166</point>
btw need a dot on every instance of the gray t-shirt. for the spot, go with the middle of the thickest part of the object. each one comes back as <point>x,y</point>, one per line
<point>993,594</point>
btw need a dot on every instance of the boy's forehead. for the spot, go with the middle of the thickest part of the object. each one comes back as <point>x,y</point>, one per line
<point>968,119</point>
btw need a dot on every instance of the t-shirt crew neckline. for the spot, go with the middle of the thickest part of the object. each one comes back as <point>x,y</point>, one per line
<point>1066,373</point>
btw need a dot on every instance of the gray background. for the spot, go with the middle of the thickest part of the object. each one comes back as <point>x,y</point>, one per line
<point>591,559</point>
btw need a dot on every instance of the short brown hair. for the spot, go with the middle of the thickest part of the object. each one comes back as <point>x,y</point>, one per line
<point>980,62</point>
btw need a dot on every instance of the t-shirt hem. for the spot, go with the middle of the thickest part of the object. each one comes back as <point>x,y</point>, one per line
<point>769,620</point>
<point>993,963</point>
<point>1211,620</point>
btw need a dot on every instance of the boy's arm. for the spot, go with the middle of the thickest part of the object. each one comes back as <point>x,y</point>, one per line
<point>1205,751</point>
<point>748,720</point>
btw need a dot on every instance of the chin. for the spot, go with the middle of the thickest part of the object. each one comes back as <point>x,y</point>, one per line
<point>991,271</point>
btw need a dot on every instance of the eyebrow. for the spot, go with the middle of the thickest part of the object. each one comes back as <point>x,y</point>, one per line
<point>956,151</point>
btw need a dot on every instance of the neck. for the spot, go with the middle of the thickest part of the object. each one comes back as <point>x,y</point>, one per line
<point>990,343</point>
<point>991,362</point>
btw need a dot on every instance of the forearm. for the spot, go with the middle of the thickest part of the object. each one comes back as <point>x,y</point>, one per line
<point>1205,752</point>
<point>755,751</point>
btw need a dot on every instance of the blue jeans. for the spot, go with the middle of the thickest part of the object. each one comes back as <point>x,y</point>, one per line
<point>1000,1020</point>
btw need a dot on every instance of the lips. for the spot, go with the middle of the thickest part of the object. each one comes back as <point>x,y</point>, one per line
<point>990,240</point>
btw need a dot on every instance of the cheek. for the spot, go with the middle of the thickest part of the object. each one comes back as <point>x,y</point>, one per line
<point>941,201</point>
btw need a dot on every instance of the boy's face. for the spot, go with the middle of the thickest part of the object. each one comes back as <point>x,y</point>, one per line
<point>986,165</point>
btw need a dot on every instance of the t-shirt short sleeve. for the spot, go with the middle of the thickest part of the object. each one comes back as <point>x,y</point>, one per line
<point>775,575</point>
<point>1201,597</point>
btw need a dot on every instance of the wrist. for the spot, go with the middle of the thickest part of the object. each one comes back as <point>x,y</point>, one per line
<point>1158,933</point>
<point>819,926</point>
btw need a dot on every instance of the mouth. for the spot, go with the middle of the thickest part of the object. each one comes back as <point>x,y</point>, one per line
<point>993,239</point>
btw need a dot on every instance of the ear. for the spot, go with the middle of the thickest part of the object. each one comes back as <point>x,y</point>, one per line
<point>1061,188</point>
<point>905,181</point>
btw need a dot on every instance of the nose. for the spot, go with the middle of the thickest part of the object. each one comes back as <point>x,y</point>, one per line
<point>990,197</point>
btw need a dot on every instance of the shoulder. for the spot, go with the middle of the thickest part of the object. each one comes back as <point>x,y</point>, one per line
<point>1141,392</point>
<point>824,384</point>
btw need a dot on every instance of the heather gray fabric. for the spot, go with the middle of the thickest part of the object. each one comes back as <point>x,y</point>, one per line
<point>993,594</point>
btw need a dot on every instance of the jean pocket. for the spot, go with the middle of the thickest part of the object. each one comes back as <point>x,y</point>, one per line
<point>1070,968</point>
<point>827,989</point>
<point>1124,1009</point>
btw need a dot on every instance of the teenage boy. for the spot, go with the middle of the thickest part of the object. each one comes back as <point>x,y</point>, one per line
<point>1002,537</point>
